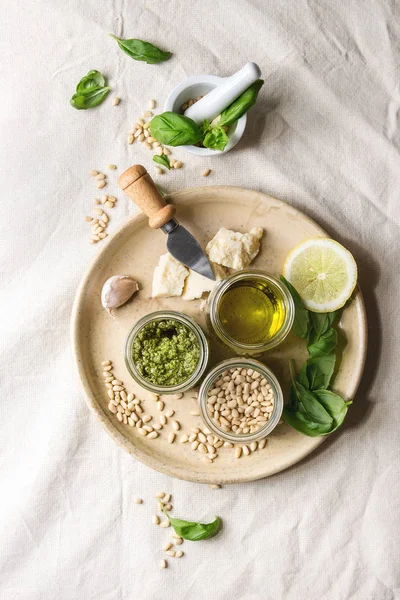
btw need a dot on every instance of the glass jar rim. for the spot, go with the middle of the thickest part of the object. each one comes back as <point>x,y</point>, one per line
<point>200,367</point>
<point>267,373</point>
<point>221,289</point>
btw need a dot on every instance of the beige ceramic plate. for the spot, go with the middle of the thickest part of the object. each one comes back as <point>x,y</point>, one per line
<point>134,250</point>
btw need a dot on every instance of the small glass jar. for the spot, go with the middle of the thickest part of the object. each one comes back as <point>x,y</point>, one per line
<point>260,283</point>
<point>201,365</point>
<point>215,374</point>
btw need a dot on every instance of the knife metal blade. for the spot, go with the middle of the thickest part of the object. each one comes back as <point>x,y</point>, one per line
<point>185,248</point>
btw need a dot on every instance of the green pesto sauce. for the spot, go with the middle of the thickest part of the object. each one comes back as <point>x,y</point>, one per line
<point>166,352</point>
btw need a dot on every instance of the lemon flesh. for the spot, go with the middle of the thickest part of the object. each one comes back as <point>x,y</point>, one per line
<point>323,272</point>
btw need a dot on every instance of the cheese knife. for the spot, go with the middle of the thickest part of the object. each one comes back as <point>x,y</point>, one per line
<point>137,184</point>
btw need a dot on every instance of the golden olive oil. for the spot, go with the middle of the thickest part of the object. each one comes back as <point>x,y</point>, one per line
<point>252,311</point>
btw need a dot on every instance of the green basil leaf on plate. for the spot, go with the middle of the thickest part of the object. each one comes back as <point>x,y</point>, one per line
<point>162,160</point>
<point>193,531</point>
<point>216,139</point>
<point>320,323</point>
<point>301,323</point>
<point>241,105</point>
<point>173,129</point>
<point>325,344</point>
<point>317,372</point>
<point>141,50</point>
<point>335,405</point>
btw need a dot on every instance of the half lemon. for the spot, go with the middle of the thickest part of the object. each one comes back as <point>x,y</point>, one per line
<point>323,272</point>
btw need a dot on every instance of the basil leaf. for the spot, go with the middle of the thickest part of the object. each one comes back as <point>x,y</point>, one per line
<point>325,344</point>
<point>241,105</point>
<point>320,323</point>
<point>335,405</point>
<point>193,531</point>
<point>301,323</point>
<point>299,423</point>
<point>173,129</point>
<point>94,79</point>
<point>216,139</point>
<point>162,160</point>
<point>89,98</point>
<point>140,50</point>
<point>206,126</point>
<point>309,405</point>
<point>317,371</point>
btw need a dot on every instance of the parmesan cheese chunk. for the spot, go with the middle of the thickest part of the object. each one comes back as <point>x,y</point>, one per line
<point>233,249</point>
<point>196,285</point>
<point>168,277</point>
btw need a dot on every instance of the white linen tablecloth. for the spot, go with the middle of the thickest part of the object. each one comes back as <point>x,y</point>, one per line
<point>325,137</point>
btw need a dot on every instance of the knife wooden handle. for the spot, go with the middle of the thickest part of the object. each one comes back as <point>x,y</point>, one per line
<point>139,187</point>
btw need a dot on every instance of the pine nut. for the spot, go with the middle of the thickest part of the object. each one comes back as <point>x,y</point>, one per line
<point>206,173</point>
<point>107,368</point>
<point>146,418</point>
<point>179,554</point>
<point>171,438</point>
<point>137,133</point>
<point>140,121</point>
<point>215,486</point>
<point>112,408</point>
<point>152,104</point>
<point>160,495</point>
<point>146,126</point>
<point>178,164</point>
<point>245,450</point>
<point>112,167</point>
<point>167,497</point>
<point>141,137</point>
<point>100,177</point>
<point>159,150</point>
<point>195,445</point>
<point>183,439</point>
<point>163,419</point>
<point>165,524</point>
<point>172,162</point>
<point>202,448</point>
<point>166,151</point>
<point>170,413</point>
<point>87,219</point>
<point>116,101</point>
<point>147,113</point>
<point>160,405</point>
<point>153,435</point>
<point>119,416</point>
<point>147,145</point>
<point>178,541</point>
<point>142,431</point>
<point>137,500</point>
<point>262,444</point>
<point>194,413</point>
<point>157,426</point>
<point>93,173</point>
<point>238,451</point>
<point>156,144</point>
<point>168,546</point>
<point>159,171</point>
<point>168,507</point>
<point>101,184</point>
<point>207,459</point>
<point>176,425</point>
<point>155,519</point>
<point>170,553</point>
<point>109,204</point>
<point>163,564</point>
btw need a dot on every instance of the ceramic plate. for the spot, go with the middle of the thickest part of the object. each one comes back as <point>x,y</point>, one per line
<point>134,250</point>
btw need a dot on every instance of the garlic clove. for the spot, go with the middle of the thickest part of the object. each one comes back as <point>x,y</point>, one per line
<point>117,290</point>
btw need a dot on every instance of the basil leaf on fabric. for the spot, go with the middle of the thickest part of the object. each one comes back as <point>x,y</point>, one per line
<point>94,79</point>
<point>216,139</point>
<point>141,50</point>
<point>162,160</point>
<point>89,98</point>
<point>301,323</point>
<point>241,105</point>
<point>193,531</point>
<point>173,129</point>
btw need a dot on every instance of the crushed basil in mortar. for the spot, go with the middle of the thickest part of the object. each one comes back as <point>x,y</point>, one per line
<point>166,352</point>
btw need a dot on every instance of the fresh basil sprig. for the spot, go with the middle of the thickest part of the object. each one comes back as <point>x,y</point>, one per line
<point>173,129</point>
<point>241,105</point>
<point>90,91</point>
<point>192,531</point>
<point>313,409</point>
<point>162,160</point>
<point>141,50</point>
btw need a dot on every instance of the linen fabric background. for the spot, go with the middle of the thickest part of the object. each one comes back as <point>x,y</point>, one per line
<point>324,136</point>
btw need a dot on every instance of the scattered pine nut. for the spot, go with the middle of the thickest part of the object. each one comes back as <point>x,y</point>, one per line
<point>194,413</point>
<point>179,554</point>
<point>130,139</point>
<point>171,438</point>
<point>112,167</point>
<point>152,104</point>
<point>138,133</point>
<point>140,121</point>
<point>165,524</point>
<point>172,162</point>
<point>93,173</point>
<point>91,241</point>
<point>160,495</point>
<point>116,101</point>
<point>159,171</point>
<point>170,413</point>
<point>178,541</point>
<point>167,497</point>
<point>168,546</point>
<point>100,176</point>
<point>155,519</point>
<point>170,553</point>
<point>109,204</point>
<point>147,145</point>
<point>178,164</point>
<point>146,126</point>
<point>141,137</point>
<point>159,150</point>
<point>215,486</point>
<point>87,219</point>
<point>238,451</point>
<point>101,184</point>
<point>163,564</point>
<point>156,144</point>
<point>152,435</point>
<point>206,173</point>
<point>166,151</point>
<point>147,113</point>
<point>98,211</point>
<point>137,500</point>
<point>176,425</point>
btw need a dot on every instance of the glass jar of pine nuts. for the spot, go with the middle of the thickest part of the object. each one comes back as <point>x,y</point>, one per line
<point>241,400</point>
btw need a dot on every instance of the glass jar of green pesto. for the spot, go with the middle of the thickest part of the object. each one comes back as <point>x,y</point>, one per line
<point>166,352</point>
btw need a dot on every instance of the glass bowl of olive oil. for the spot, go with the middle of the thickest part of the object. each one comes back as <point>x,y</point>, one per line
<point>251,311</point>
